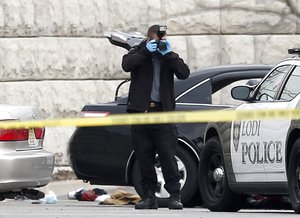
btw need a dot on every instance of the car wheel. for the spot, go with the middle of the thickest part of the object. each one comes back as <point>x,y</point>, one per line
<point>213,184</point>
<point>188,171</point>
<point>294,176</point>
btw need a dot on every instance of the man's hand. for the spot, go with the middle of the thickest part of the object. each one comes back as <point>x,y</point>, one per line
<point>168,47</point>
<point>151,45</point>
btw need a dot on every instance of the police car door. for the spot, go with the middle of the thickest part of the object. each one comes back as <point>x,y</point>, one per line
<point>252,146</point>
<point>275,131</point>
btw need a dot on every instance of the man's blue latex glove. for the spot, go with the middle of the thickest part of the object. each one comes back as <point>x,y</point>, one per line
<point>151,45</point>
<point>168,45</point>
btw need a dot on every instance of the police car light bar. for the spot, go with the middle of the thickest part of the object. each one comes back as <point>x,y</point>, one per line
<point>295,50</point>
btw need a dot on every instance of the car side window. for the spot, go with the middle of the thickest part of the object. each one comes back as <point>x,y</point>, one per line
<point>291,88</point>
<point>201,94</point>
<point>268,89</point>
<point>223,96</point>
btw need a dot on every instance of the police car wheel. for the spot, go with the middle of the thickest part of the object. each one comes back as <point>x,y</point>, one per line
<point>294,176</point>
<point>188,172</point>
<point>213,184</point>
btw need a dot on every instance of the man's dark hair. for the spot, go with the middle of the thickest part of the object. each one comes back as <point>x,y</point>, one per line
<point>152,29</point>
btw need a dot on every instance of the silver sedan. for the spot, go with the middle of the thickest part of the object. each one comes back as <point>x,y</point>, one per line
<point>24,163</point>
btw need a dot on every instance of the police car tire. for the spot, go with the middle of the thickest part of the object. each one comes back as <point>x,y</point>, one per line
<point>227,201</point>
<point>189,189</point>
<point>293,176</point>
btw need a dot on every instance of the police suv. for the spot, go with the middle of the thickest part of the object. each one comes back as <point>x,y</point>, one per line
<point>255,156</point>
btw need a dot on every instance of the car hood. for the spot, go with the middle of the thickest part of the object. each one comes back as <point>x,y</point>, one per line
<point>14,112</point>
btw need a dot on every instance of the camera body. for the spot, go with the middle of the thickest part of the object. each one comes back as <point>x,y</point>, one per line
<point>161,32</point>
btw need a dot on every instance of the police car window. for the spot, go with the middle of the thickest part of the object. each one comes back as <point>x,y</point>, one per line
<point>268,89</point>
<point>291,88</point>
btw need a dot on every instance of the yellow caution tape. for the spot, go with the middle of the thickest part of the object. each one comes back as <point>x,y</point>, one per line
<point>158,118</point>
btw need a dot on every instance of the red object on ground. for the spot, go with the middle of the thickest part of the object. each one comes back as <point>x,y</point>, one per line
<point>88,195</point>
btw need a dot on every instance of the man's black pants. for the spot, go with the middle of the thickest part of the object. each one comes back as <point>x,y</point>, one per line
<point>161,139</point>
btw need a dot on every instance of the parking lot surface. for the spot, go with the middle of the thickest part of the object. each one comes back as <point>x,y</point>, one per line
<point>65,207</point>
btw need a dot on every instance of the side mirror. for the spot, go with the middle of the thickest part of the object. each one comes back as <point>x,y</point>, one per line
<point>252,82</point>
<point>241,93</point>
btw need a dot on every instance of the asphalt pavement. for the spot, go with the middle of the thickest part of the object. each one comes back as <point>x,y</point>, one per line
<point>77,209</point>
<point>65,207</point>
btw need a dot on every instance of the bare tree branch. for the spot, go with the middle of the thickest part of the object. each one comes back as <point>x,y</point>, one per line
<point>293,7</point>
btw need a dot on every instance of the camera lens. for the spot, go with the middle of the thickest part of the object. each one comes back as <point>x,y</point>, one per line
<point>161,45</point>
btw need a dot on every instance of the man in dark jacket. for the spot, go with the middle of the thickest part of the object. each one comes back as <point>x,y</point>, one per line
<point>152,70</point>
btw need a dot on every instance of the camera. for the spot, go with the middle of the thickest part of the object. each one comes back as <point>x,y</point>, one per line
<point>161,32</point>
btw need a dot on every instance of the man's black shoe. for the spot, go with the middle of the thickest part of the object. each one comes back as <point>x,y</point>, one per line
<point>147,203</point>
<point>175,203</point>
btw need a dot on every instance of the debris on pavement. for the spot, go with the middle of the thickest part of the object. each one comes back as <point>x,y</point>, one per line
<point>50,198</point>
<point>120,197</point>
<point>268,202</point>
<point>86,194</point>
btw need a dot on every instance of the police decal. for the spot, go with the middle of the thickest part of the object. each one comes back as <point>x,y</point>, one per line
<point>236,134</point>
<point>253,150</point>
<point>246,136</point>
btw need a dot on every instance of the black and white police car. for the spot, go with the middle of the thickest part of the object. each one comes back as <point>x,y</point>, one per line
<point>255,156</point>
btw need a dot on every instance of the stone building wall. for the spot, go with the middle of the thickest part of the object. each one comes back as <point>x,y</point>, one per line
<point>53,54</point>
